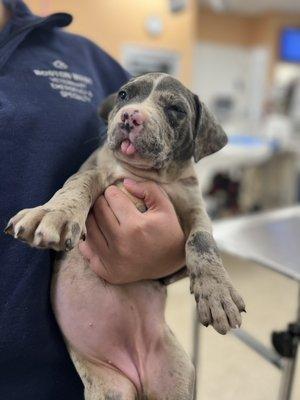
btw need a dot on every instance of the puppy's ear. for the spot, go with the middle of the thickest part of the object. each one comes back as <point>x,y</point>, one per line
<point>107,105</point>
<point>209,136</point>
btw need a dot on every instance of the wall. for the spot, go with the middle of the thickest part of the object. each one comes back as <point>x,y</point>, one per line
<point>230,29</point>
<point>235,29</point>
<point>110,23</point>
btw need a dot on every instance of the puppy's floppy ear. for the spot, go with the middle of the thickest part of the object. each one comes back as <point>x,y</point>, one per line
<point>209,136</point>
<point>107,105</point>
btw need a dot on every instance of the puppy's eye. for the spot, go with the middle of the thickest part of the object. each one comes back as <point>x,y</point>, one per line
<point>122,95</point>
<point>176,110</point>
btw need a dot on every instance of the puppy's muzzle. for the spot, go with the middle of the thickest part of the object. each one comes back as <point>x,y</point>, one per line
<point>132,121</point>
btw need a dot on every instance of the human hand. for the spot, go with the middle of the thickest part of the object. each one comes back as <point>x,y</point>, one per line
<point>124,245</point>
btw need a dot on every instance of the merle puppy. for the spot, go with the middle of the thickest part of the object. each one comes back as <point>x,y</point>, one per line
<point>116,334</point>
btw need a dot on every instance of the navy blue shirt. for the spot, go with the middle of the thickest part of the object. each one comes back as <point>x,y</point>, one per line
<point>51,83</point>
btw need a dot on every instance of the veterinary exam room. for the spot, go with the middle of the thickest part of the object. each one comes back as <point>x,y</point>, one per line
<point>150,199</point>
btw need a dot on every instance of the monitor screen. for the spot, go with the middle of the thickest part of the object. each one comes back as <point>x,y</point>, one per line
<point>290,45</point>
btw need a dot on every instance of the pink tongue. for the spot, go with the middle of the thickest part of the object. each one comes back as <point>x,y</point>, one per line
<point>127,147</point>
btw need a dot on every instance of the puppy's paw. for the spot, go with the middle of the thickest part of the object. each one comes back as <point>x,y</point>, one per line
<point>218,303</point>
<point>44,227</point>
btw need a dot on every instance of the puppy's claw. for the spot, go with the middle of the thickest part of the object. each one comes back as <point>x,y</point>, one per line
<point>8,229</point>
<point>68,245</point>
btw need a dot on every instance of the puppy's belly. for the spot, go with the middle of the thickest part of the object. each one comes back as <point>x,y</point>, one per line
<point>114,325</point>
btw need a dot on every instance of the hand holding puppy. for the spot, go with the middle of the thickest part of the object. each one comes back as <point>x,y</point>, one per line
<point>124,245</point>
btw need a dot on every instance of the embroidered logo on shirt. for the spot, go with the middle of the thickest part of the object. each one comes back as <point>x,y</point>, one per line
<point>69,84</point>
<point>60,64</point>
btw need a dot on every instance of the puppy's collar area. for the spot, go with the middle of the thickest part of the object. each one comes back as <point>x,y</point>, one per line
<point>137,167</point>
<point>161,175</point>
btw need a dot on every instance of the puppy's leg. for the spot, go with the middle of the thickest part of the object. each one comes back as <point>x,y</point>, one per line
<point>101,382</point>
<point>217,300</point>
<point>169,372</point>
<point>59,224</point>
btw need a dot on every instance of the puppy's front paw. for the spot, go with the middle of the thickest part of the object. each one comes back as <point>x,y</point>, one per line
<point>218,303</point>
<point>44,227</point>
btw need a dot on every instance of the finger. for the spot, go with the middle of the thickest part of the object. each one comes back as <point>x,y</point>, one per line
<point>120,204</point>
<point>95,249</point>
<point>95,238</point>
<point>105,218</point>
<point>151,193</point>
<point>95,262</point>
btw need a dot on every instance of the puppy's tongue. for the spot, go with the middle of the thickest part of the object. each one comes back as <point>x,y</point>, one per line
<point>127,147</point>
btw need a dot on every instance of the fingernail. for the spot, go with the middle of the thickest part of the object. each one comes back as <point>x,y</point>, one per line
<point>111,190</point>
<point>129,181</point>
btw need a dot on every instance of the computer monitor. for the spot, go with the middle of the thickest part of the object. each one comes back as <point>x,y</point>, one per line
<point>290,45</point>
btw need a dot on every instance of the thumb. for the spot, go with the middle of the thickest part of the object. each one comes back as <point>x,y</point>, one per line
<point>150,192</point>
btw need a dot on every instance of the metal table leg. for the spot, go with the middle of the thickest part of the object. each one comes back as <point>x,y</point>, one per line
<point>195,350</point>
<point>287,380</point>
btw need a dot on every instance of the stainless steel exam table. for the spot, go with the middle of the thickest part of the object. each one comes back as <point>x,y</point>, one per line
<point>271,239</point>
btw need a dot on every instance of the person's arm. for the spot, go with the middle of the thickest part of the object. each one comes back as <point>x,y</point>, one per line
<point>124,245</point>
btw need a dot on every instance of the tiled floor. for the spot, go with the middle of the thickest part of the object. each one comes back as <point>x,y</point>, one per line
<point>228,369</point>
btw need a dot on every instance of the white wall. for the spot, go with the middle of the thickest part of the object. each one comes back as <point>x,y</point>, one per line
<point>236,71</point>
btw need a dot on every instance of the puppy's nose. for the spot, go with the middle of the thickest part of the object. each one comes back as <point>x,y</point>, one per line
<point>133,119</point>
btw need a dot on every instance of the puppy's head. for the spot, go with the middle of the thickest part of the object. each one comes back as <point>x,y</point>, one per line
<point>154,120</point>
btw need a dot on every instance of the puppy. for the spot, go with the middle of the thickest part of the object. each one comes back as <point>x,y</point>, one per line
<point>116,334</point>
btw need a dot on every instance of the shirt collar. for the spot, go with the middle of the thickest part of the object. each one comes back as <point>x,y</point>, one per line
<point>21,16</point>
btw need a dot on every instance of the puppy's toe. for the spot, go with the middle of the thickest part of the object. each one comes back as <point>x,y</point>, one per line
<point>23,224</point>
<point>233,314</point>
<point>237,299</point>
<point>49,230</point>
<point>73,232</point>
<point>25,228</point>
<point>10,227</point>
<point>220,321</point>
<point>204,313</point>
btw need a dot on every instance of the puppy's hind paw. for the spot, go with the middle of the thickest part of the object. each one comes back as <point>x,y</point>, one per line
<point>218,304</point>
